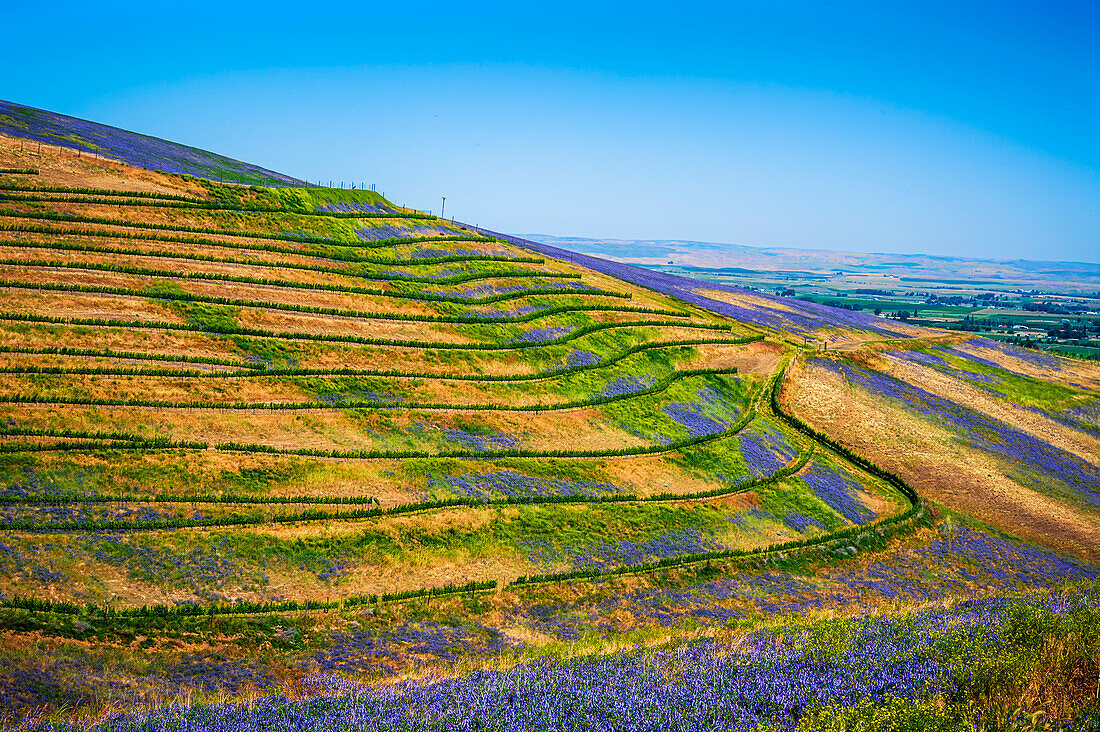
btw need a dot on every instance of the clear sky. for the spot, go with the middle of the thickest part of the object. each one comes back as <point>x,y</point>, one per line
<point>966,128</point>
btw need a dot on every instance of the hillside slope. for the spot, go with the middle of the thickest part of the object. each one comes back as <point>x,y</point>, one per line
<point>143,151</point>
<point>211,358</point>
<point>250,434</point>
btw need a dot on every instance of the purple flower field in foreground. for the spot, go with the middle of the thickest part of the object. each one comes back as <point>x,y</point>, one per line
<point>773,677</point>
<point>955,563</point>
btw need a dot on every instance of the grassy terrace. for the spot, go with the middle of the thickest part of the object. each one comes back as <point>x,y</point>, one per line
<point>358,397</point>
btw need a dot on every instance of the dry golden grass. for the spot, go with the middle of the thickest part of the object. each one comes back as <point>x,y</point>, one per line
<point>940,469</point>
<point>1045,428</point>
<point>64,168</point>
<point>332,428</point>
<point>160,342</point>
<point>85,305</point>
<point>175,266</point>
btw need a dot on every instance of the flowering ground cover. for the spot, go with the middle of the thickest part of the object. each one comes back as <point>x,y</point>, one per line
<point>949,559</point>
<point>838,489</point>
<point>352,207</point>
<point>929,669</point>
<point>1076,408</point>
<point>392,231</point>
<point>954,561</point>
<point>513,484</point>
<point>1032,458</point>
<point>139,150</point>
<point>765,449</point>
<point>494,289</point>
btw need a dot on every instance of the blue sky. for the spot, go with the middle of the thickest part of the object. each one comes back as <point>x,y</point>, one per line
<point>941,128</point>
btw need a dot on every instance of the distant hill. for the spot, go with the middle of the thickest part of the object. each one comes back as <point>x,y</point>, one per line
<point>704,257</point>
<point>143,151</point>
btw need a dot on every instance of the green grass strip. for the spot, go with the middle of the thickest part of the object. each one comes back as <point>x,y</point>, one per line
<point>306,239</point>
<point>246,366</point>
<point>658,387</point>
<point>97,191</point>
<point>251,369</point>
<point>240,607</point>
<point>361,314</point>
<point>292,285</point>
<point>358,340</point>
<point>117,199</point>
<point>380,276</point>
<point>285,284</point>
<point>339,253</point>
<point>402,509</point>
<point>139,443</point>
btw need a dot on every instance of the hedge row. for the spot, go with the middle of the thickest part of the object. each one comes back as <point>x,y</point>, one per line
<point>242,607</point>
<point>894,480</point>
<point>80,190</point>
<point>229,499</point>
<point>360,340</point>
<point>250,369</point>
<point>403,509</point>
<point>248,366</point>
<point>204,205</point>
<point>136,442</point>
<point>17,448</point>
<point>232,499</point>
<point>773,389</point>
<point>417,296</point>
<point>122,442</point>
<point>380,276</point>
<point>304,239</point>
<point>330,254</point>
<point>658,387</point>
<point>17,171</point>
<point>16,431</point>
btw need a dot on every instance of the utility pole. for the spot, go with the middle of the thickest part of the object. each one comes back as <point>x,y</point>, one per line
<point>443,207</point>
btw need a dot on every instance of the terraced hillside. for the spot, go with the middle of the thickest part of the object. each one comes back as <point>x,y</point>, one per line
<point>221,394</point>
<point>267,432</point>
